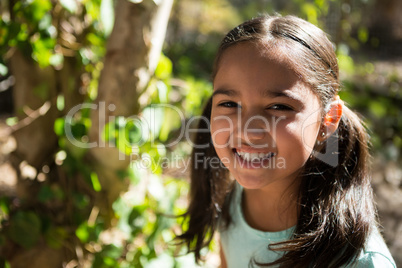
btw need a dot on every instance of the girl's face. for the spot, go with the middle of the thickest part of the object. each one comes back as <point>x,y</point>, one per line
<point>265,119</point>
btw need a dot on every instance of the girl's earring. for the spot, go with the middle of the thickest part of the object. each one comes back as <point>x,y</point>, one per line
<point>319,142</point>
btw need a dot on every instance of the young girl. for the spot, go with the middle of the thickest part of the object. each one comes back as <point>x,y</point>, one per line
<point>291,187</point>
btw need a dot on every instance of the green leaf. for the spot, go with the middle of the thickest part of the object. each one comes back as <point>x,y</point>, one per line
<point>4,263</point>
<point>56,60</point>
<point>95,182</point>
<point>369,68</point>
<point>109,133</point>
<point>3,70</point>
<point>59,126</point>
<point>78,129</point>
<point>70,5</point>
<point>378,108</point>
<point>123,133</point>
<point>164,68</point>
<point>94,40</point>
<point>4,206</point>
<point>55,237</point>
<point>174,121</point>
<point>45,22</point>
<point>363,34</point>
<point>80,201</point>
<point>49,193</point>
<point>82,232</point>
<point>25,228</point>
<point>312,12</point>
<point>60,102</point>
<point>45,194</point>
<point>155,187</point>
<point>22,34</point>
<point>111,251</point>
<point>133,133</point>
<point>11,121</point>
<point>39,8</point>
<point>43,51</point>
<point>154,117</point>
<point>107,16</point>
<point>346,64</point>
<point>108,257</point>
<point>162,91</point>
<point>135,213</point>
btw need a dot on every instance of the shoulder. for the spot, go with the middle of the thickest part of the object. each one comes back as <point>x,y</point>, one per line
<point>374,260</point>
<point>233,200</point>
<point>375,254</point>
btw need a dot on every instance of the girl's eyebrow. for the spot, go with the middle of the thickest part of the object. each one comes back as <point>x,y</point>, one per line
<point>263,93</point>
<point>224,91</point>
<point>277,94</point>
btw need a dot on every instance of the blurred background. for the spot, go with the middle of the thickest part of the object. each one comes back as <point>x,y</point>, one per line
<point>86,182</point>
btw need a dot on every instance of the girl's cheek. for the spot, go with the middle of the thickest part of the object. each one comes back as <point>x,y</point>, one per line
<point>283,128</point>
<point>221,129</point>
<point>301,136</point>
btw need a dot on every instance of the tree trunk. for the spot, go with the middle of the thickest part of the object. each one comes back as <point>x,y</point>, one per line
<point>386,27</point>
<point>133,51</point>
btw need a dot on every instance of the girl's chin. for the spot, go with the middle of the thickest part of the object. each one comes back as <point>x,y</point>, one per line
<point>251,182</point>
<point>257,164</point>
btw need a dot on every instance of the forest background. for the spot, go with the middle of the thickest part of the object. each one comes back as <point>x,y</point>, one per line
<point>103,68</point>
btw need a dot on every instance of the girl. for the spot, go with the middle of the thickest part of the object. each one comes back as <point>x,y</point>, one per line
<point>301,195</point>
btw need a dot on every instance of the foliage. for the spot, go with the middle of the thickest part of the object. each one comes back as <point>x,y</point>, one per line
<point>141,230</point>
<point>38,29</point>
<point>142,218</point>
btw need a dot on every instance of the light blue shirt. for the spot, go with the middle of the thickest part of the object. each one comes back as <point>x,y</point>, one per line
<point>241,243</point>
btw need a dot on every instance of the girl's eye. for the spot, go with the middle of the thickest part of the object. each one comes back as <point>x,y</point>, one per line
<point>280,107</point>
<point>228,104</point>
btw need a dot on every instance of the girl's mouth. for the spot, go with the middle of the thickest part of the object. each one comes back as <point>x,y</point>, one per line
<point>253,156</point>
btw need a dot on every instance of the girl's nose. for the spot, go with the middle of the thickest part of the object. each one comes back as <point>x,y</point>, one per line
<point>252,129</point>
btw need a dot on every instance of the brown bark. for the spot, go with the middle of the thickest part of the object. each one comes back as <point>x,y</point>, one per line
<point>133,50</point>
<point>387,17</point>
<point>33,88</point>
<point>385,28</point>
<point>35,92</point>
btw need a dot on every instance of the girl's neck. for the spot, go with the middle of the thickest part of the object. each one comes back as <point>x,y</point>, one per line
<point>271,210</point>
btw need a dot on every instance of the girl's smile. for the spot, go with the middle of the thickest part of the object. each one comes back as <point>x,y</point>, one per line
<point>249,159</point>
<point>264,119</point>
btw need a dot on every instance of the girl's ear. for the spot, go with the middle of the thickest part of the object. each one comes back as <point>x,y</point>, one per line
<point>331,119</point>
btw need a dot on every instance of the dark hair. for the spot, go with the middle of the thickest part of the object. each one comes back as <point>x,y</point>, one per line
<point>336,203</point>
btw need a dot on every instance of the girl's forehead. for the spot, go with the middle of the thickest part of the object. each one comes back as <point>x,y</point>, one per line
<point>257,65</point>
<point>274,52</point>
<point>263,67</point>
<point>288,56</point>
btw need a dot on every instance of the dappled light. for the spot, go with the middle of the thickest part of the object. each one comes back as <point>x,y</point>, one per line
<point>99,105</point>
